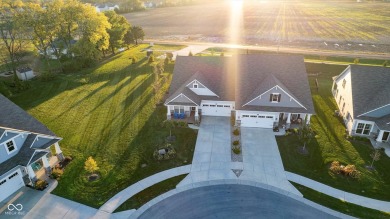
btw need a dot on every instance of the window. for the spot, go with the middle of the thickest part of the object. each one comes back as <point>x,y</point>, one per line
<point>344,82</point>
<point>2,182</point>
<point>274,98</point>
<point>13,175</point>
<point>340,99</point>
<point>253,116</point>
<point>269,117</point>
<point>179,109</point>
<point>261,117</point>
<point>195,85</point>
<point>219,105</point>
<point>205,105</point>
<point>10,146</point>
<point>245,116</point>
<point>212,105</point>
<point>343,107</point>
<point>363,128</point>
<point>226,106</point>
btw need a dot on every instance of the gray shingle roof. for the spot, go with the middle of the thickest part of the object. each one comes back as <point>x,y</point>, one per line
<point>14,117</point>
<point>242,78</point>
<point>370,87</point>
<point>288,70</point>
<point>212,71</point>
<point>24,154</point>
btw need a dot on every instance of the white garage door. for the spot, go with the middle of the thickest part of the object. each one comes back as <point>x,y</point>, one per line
<point>255,120</point>
<point>216,109</point>
<point>10,184</point>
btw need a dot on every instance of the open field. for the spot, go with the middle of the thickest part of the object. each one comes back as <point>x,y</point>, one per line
<point>330,144</point>
<point>319,25</point>
<point>108,112</point>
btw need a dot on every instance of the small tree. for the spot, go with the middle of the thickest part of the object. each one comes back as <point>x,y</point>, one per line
<point>385,64</point>
<point>305,134</point>
<point>375,155</point>
<point>356,61</point>
<point>170,125</point>
<point>90,165</point>
<point>190,54</point>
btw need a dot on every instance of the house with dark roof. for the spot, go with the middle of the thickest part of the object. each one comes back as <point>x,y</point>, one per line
<point>260,90</point>
<point>25,148</point>
<point>362,94</point>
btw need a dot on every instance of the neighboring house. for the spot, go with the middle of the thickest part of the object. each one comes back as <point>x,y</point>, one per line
<point>25,148</point>
<point>362,94</point>
<point>57,46</point>
<point>262,90</point>
<point>25,73</point>
<point>106,7</point>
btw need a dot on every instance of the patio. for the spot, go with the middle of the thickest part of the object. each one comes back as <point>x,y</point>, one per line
<point>40,171</point>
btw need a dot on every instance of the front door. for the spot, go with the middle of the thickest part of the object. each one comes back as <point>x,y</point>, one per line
<point>385,136</point>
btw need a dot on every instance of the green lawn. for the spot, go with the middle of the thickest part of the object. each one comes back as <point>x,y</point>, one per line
<point>340,205</point>
<point>330,144</point>
<point>108,112</point>
<point>150,193</point>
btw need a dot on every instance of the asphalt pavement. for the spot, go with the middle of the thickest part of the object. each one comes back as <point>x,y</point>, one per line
<point>232,201</point>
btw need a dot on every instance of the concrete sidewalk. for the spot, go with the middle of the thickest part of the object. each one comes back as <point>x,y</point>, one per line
<point>137,187</point>
<point>336,193</point>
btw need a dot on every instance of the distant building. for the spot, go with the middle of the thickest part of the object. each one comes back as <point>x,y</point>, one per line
<point>25,73</point>
<point>106,7</point>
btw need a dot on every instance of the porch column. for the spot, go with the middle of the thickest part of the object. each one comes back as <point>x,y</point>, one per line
<point>308,119</point>
<point>59,154</point>
<point>31,174</point>
<point>46,165</point>
<point>288,122</point>
<point>196,114</point>
<point>380,136</point>
<point>168,113</point>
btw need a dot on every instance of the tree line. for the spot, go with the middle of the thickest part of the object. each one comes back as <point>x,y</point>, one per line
<point>69,30</point>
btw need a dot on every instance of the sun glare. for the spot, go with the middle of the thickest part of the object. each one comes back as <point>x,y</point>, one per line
<point>236,21</point>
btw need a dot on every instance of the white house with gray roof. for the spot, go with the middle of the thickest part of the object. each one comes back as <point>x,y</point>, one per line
<point>262,90</point>
<point>25,148</point>
<point>362,94</point>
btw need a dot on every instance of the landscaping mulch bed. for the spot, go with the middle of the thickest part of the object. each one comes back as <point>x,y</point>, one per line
<point>236,157</point>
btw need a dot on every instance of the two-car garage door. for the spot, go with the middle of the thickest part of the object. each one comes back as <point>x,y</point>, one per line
<point>10,184</point>
<point>257,120</point>
<point>217,109</point>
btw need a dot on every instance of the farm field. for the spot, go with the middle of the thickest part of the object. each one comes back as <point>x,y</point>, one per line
<point>344,26</point>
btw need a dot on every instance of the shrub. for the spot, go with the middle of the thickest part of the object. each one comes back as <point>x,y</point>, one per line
<point>151,59</point>
<point>236,150</point>
<point>236,142</point>
<point>182,124</point>
<point>133,60</point>
<point>236,132</point>
<point>335,167</point>
<point>232,120</point>
<point>170,56</point>
<point>40,184</point>
<point>57,173</point>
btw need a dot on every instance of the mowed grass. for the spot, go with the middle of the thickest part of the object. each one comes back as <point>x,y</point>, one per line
<point>108,112</point>
<point>330,144</point>
<point>150,193</point>
<point>340,205</point>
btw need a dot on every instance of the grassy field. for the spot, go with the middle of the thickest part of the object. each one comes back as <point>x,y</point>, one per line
<point>330,144</point>
<point>108,112</point>
<point>150,193</point>
<point>339,205</point>
<point>289,23</point>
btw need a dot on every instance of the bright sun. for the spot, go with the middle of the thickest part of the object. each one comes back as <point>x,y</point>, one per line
<point>236,21</point>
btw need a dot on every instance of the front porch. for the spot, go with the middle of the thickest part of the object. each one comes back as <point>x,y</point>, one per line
<point>188,119</point>
<point>188,114</point>
<point>42,167</point>
<point>292,120</point>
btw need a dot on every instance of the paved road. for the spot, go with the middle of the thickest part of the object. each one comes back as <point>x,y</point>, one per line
<point>354,54</point>
<point>231,201</point>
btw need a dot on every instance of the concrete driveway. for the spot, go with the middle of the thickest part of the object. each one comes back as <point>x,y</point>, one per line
<point>212,157</point>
